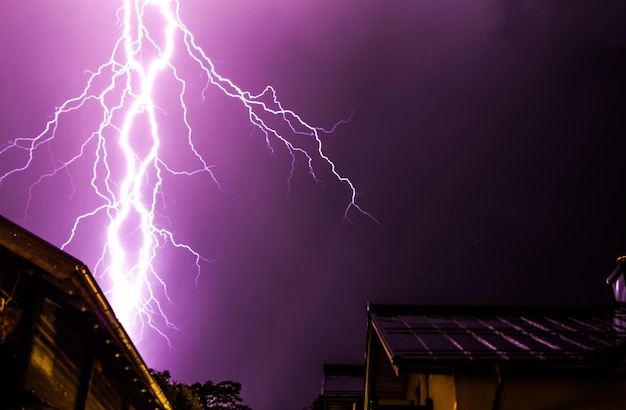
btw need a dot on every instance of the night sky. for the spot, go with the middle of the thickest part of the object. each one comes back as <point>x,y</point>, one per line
<point>487,138</point>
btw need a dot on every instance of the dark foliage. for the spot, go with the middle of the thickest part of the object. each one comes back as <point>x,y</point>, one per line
<point>180,395</point>
<point>224,395</point>
<point>221,396</point>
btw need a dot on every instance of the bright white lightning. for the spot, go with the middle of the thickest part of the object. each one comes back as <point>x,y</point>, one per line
<point>126,175</point>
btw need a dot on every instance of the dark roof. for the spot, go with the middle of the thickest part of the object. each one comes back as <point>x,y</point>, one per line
<point>437,336</point>
<point>343,380</point>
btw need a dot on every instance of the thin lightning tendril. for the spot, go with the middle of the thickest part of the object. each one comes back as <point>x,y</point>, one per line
<point>128,167</point>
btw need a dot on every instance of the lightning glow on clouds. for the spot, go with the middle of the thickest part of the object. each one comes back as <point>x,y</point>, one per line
<point>127,159</point>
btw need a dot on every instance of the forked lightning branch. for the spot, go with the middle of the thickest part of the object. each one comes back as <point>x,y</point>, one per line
<point>126,144</point>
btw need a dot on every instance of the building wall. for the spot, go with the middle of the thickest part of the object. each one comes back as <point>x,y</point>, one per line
<point>102,395</point>
<point>475,390</point>
<point>472,386</point>
<point>383,385</point>
<point>563,391</point>
<point>57,354</point>
<point>439,388</point>
<point>59,362</point>
<point>541,389</point>
<point>388,388</point>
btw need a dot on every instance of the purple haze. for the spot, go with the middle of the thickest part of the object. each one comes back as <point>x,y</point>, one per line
<point>487,138</point>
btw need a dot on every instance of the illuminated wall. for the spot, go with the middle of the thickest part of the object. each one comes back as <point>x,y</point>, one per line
<point>58,350</point>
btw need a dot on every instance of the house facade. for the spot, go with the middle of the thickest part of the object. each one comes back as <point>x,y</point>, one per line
<point>499,358</point>
<point>61,346</point>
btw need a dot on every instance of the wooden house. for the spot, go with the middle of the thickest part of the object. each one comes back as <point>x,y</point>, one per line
<point>495,358</point>
<point>61,346</point>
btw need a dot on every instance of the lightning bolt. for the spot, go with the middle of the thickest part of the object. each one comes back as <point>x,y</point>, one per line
<point>127,156</point>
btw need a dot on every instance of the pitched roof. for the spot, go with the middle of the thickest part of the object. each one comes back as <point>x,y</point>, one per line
<point>446,336</point>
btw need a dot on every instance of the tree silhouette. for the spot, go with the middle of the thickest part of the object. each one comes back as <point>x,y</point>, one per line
<point>224,395</point>
<point>221,396</point>
<point>180,395</point>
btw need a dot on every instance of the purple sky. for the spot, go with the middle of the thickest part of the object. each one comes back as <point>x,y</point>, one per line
<point>487,138</point>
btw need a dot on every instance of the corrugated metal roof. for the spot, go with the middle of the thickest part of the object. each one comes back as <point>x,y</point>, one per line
<point>430,335</point>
